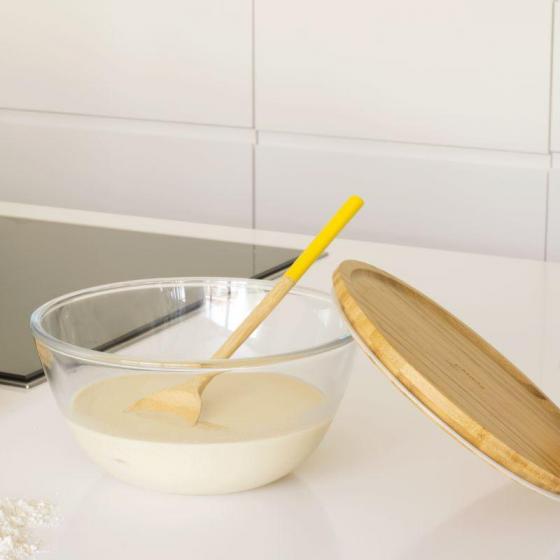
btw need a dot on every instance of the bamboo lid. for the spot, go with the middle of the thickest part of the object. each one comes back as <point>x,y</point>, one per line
<point>453,374</point>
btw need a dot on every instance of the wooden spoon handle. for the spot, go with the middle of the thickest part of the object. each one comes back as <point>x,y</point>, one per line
<point>188,395</point>
<point>255,318</point>
<point>331,229</point>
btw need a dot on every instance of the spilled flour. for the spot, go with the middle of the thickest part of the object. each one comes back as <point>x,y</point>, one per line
<point>17,518</point>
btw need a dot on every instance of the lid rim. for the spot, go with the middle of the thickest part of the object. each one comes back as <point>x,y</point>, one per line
<point>543,477</point>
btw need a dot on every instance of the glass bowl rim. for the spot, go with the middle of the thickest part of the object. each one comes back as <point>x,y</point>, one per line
<point>96,357</point>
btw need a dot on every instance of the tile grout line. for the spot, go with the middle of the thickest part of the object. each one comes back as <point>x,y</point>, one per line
<point>546,213</point>
<point>307,138</point>
<point>551,103</point>
<point>253,72</point>
<point>551,106</point>
<point>254,182</point>
<point>119,118</point>
<point>360,146</point>
<point>42,119</point>
<point>254,122</point>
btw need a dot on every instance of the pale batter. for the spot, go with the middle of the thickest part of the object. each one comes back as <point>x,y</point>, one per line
<point>254,428</point>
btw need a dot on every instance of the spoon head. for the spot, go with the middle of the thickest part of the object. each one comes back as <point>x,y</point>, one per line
<point>183,400</point>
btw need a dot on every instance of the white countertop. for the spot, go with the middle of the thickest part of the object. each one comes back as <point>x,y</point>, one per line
<point>385,483</point>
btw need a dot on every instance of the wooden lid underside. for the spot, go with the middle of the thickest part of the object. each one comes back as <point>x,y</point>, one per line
<point>454,373</point>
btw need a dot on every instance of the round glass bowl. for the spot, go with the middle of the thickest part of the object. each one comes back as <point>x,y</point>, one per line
<point>105,347</point>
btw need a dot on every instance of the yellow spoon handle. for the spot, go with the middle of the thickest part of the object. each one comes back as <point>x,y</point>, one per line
<point>287,281</point>
<point>323,239</point>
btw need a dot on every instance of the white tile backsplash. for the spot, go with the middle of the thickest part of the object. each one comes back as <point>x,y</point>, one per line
<point>111,168</point>
<point>448,72</point>
<point>436,112</point>
<point>178,60</point>
<point>485,208</point>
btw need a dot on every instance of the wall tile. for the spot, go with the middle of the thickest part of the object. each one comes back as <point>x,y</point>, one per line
<point>495,209</point>
<point>445,72</point>
<point>112,167</point>
<point>178,60</point>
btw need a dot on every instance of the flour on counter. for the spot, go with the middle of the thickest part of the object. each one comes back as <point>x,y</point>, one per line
<point>17,518</point>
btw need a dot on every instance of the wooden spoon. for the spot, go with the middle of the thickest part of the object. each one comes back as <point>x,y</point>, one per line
<point>185,399</point>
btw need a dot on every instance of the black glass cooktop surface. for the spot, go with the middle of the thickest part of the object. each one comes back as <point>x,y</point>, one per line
<point>40,260</point>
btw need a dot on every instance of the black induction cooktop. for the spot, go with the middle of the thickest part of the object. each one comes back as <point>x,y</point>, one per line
<point>40,260</point>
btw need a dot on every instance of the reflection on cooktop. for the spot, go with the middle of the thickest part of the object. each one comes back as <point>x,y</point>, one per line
<point>42,260</point>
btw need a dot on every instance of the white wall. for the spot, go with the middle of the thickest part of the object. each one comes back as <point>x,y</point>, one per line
<point>267,113</point>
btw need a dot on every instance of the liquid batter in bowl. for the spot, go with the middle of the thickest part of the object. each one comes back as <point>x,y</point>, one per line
<point>254,429</point>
